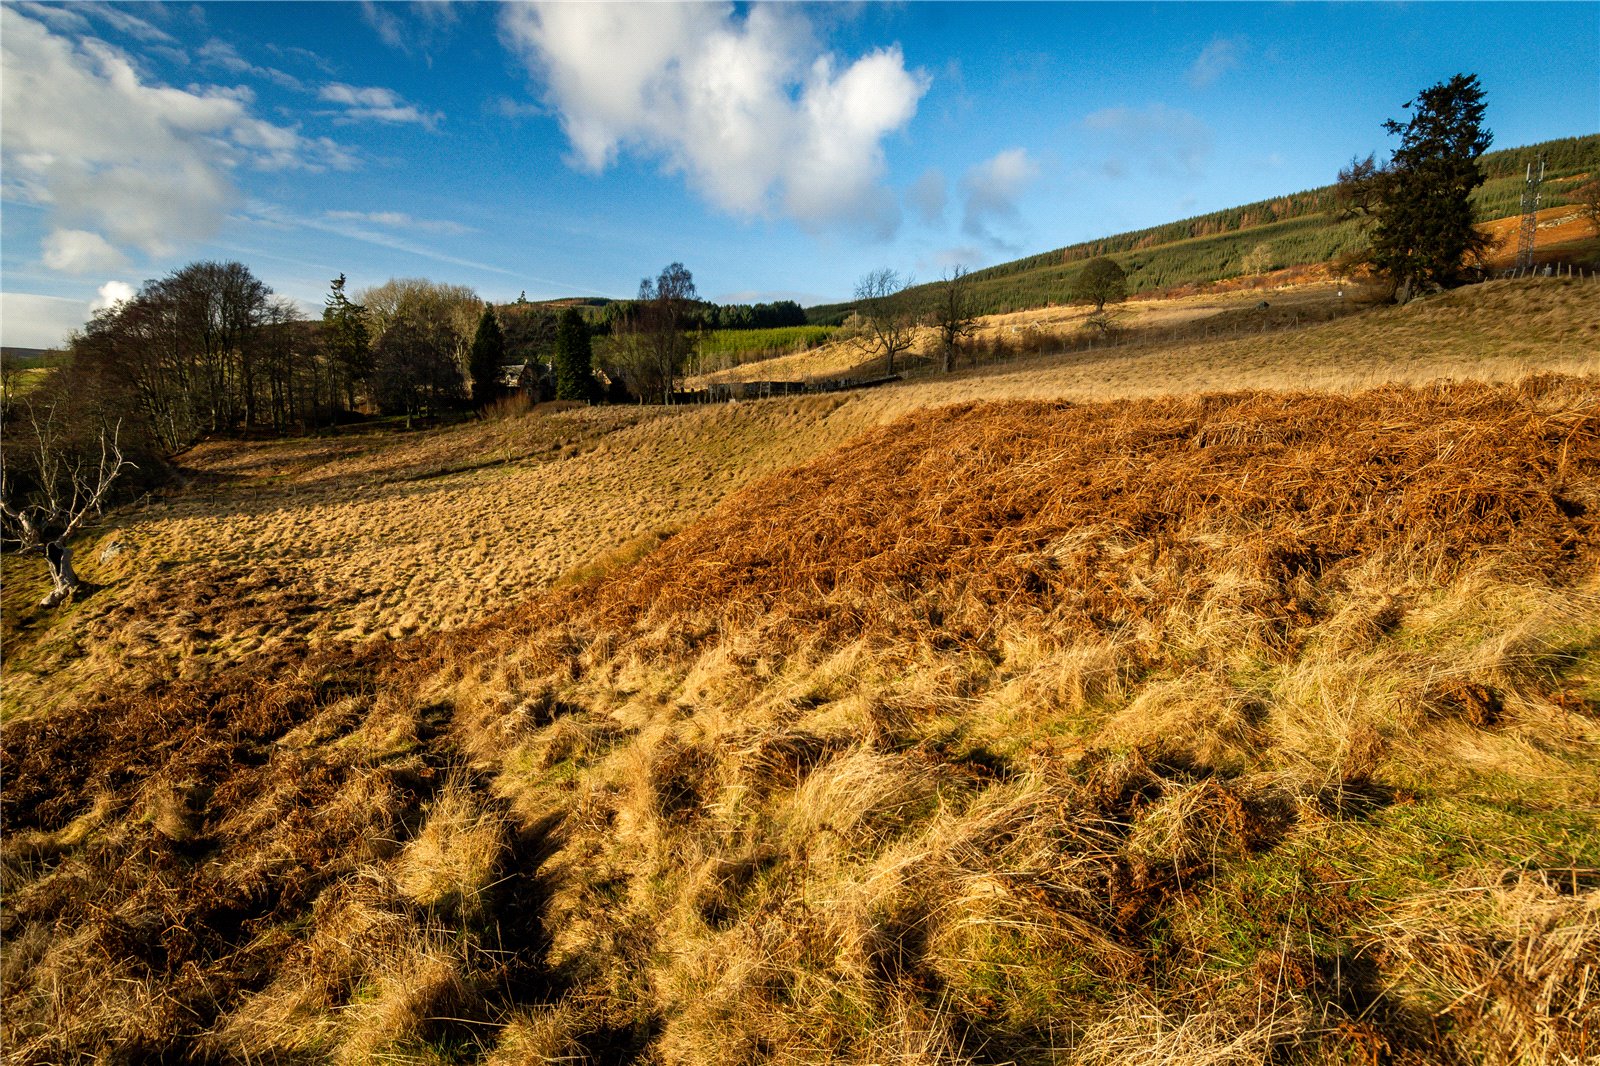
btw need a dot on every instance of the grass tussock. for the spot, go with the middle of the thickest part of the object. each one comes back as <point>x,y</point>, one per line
<point>1170,730</point>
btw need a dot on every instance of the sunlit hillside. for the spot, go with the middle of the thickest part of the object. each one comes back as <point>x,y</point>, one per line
<point>1302,229</point>
<point>1215,728</point>
<point>463,608</point>
<point>293,544</point>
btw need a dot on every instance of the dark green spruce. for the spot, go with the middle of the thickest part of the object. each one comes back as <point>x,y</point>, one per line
<point>574,361</point>
<point>488,352</point>
<point>1424,238</point>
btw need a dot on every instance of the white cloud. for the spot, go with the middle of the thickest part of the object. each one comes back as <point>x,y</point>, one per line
<point>748,108</point>
<point>31,321</point>
<point>428,21</point>
<point>134,164</point>
<point>62,18</point>
<point>130,24</point>
<point>224,56</point>
<point>376,104</point>
<point>1216,59</point>
<point>1168,141</point>
<point>991,189</point>
<point>112,293</point>
<point>400,220</point>
<point>390,29</point>
<point>77,251</point>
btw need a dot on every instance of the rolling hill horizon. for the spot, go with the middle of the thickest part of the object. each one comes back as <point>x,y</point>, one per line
<point>1299,229</point>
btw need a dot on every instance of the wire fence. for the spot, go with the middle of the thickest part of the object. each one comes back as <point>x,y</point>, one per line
<point>1549,270</point>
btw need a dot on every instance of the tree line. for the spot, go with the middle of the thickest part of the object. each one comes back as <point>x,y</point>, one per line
<point>210,350</point>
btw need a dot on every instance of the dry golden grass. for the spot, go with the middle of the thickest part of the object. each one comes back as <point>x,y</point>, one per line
<point>301,542</point>
<point>1181,730</point>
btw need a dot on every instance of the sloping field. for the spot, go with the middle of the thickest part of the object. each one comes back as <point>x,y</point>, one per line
<point>296,544</point>
<point>1305,338</point>
<point>1302,229</point>
<point>1297,296</point>
<point>1229,728</point>
<point>1562,231</point>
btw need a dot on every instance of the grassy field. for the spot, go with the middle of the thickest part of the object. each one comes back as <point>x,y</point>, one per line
<point>1062,710</point>
<point>724,348</point>
<point>295,544</point>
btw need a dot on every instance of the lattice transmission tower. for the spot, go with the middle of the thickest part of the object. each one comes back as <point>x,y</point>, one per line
<point>1530,214</point>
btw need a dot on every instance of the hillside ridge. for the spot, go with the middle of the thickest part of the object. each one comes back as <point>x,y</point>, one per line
<point>1301,227</point>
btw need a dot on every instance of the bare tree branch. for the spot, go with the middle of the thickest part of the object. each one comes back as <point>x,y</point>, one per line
<point>891,323</point>
<point>51,489</point>
<point>953,315</point>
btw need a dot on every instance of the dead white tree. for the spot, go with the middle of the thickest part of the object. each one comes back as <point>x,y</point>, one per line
<point>49,490</point>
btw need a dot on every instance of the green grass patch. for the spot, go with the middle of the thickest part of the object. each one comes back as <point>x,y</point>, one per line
<point>732,347</point>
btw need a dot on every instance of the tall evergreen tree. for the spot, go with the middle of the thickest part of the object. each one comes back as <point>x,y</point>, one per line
<point>347,340</point>
<point>1424,236</point>
<point>574,361</point>
<point>488,352</point>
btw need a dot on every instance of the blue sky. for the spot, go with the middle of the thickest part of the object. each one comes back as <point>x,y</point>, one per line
<point>778,151</point>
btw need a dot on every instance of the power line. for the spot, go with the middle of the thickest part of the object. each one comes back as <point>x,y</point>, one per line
<point>1530,215</point>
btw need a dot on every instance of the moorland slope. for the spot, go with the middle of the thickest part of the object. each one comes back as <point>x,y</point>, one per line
<point>1209,728</point>
<point>297,545</point>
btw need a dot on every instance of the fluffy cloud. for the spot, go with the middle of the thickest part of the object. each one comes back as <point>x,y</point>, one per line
<point>77,251</point>
<point>111,294</point>
<point>1168,141</point>
<point>991,189</point>
<point>376,104</point>
<point>1216,59</point>
<point>750,109</point>
<point>119,163</point>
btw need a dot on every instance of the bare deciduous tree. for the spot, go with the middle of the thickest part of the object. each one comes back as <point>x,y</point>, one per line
<point>51,483</point>
<point>1258,261</point>
<point>953,315</point>
<point>428,305</point>
<point>890,322</point>
<point>652,341</point>
<point>1360,188</point>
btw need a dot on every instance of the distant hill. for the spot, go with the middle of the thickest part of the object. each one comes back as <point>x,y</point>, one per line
<point>1297,229</point>
<point>27,356</point>
<point>563,303</point>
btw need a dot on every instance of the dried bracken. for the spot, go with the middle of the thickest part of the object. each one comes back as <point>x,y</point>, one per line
<point>1155,731</point>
